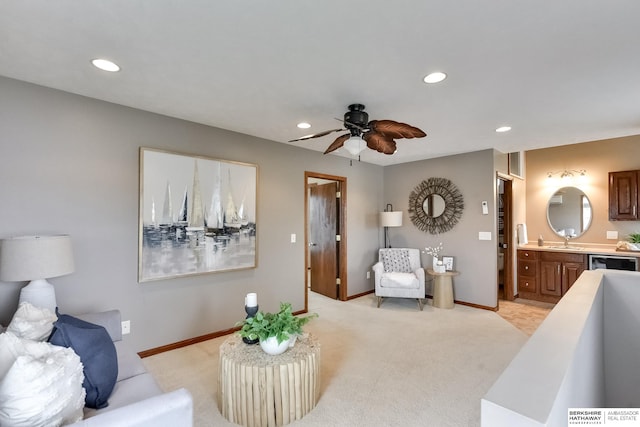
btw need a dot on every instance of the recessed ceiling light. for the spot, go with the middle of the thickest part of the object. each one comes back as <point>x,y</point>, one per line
<point>503,129</point>
<point>304,125</point>
<point>436,77</point>
<point>105,65</point>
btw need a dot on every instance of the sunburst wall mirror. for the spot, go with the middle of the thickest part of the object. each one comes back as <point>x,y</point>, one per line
<point>435,205</point>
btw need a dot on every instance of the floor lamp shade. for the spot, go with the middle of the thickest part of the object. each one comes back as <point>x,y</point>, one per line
<point>391,219</point>
<point>388,219</point>
<point>36,258</point>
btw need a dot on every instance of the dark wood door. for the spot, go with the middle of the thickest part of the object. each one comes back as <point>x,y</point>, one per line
<point>623,195</point>
<point>551,278</point>
<point>323,255</point>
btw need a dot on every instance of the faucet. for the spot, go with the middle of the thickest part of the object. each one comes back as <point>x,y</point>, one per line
<point>566,240</point>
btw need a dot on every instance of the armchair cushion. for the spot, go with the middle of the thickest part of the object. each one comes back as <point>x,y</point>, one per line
<point>399,280</point>
<point>97,353</point>
<point>396,260</point>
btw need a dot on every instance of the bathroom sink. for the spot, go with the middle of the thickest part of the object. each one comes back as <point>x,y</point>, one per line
<point>573,248</point>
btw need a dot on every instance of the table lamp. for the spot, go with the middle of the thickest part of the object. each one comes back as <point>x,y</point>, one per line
<point>36,258</point>
<point>390,218</point>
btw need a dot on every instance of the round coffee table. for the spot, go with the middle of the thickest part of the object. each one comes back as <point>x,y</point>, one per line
<point>257,389</point>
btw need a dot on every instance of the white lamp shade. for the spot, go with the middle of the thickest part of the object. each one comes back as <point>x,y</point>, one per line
<point>35,257</point>
<point>354,145</point>
<point>391,219</point>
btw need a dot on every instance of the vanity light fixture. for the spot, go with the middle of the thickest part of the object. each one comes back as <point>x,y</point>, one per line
<point>105,65</point>
<point>567,173</point>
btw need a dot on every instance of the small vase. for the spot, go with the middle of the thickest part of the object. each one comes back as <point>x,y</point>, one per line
<point>271,346</point>
<point>435,262</point>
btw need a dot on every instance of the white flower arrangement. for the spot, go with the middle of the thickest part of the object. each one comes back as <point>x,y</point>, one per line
<point>434,251</point>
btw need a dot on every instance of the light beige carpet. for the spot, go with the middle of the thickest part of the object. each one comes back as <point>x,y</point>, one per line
<point>387,366</point>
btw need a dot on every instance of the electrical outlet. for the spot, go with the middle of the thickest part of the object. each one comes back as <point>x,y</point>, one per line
<point>612,235</point>
<point>368,275</point>
<point>126,327</point>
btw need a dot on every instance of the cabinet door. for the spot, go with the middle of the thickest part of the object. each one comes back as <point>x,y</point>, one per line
<point>551,278</point>
<point>623,195</point>
<point>570,273</point>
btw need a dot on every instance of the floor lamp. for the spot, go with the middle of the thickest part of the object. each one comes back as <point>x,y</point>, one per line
<point>36,258</point>
<point>389,218</point>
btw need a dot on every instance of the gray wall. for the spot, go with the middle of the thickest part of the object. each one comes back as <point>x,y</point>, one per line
<point>474,175</point>
<point>69,164</point>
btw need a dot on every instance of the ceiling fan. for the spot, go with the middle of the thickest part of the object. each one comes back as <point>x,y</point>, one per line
<point>378,135</point>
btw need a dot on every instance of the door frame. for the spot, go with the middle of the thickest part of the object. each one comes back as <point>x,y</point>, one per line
<point>342,229</point>
<point>509,293</point>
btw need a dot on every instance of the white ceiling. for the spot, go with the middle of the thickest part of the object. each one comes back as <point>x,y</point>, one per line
<point>558,72</point>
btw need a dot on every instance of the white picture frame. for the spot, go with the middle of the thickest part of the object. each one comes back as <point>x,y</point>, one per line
<point>448,263</point>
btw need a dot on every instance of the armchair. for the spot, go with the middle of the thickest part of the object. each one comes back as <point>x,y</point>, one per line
<point>398,274</point>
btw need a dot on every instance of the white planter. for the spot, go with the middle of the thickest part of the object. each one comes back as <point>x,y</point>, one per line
<point>271,346</point>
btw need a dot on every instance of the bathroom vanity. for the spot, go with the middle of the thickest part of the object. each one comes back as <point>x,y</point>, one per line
<point>546,273</point>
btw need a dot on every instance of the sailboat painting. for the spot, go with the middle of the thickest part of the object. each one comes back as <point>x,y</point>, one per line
<point>208,218</point>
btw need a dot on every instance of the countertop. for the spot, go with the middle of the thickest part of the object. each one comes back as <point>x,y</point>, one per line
<point>579,248</point>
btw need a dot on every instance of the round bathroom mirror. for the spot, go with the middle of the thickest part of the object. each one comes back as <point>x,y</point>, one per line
<point>569,212</point>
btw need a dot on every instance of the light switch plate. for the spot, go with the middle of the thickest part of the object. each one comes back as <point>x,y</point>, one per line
<point>484,235</point>
<point>612,235</point>
<point>293,238</point>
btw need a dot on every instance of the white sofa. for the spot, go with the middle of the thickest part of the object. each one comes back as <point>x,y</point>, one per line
<point>137,400</point>
<point>584,355</point>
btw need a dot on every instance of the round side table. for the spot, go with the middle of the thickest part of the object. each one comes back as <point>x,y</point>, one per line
<point>257,389</point>
<point>442,288</point>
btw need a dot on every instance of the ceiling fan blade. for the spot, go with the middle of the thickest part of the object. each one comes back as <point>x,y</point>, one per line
<point>316,135</point>
<point>395,129</point>
<point>379,142</point>
<point>337,143</point>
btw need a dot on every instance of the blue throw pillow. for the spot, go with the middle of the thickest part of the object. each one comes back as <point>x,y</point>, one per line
<point>97,354</point>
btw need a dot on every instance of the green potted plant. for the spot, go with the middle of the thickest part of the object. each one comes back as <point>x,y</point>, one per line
<point>634,238</point>
<point>276,331</point>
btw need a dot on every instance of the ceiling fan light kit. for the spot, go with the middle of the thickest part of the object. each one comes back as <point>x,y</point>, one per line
<point>354,145</point>
<point>378,135</point>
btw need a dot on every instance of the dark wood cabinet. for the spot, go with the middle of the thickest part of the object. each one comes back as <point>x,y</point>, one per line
<point>547,276</point>
<point>551,278</point>
<point>527,273</point>
<point>623,195</point>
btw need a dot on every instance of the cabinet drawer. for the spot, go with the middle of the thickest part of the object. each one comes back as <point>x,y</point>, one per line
<point>563,257</point>
<point>525,254</point>
<point>527,284</point>
<point>527,268</point>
